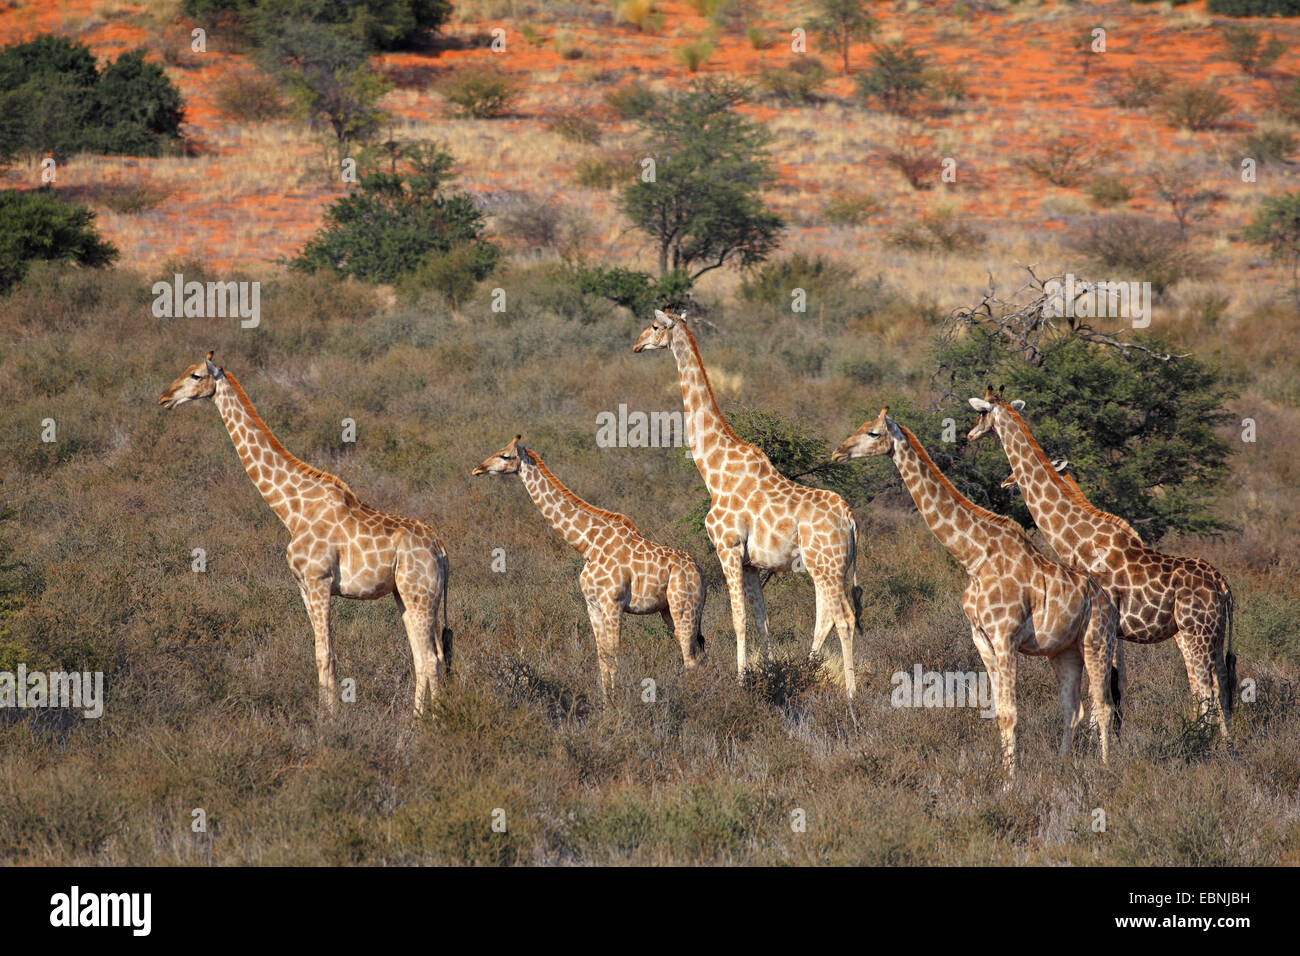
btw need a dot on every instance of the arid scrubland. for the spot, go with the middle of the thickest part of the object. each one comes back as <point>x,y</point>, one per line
<point>210,684</point>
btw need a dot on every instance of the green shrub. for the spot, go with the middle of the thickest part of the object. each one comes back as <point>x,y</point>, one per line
<point>252,97</point>
<point>128,199</point>
<point>939,230</point>
<point>1270,145</point>
<point>453,273</point>
<point>694,55</point>
<point>565,45</point>
<point>382,24</point>
<point>1285,100</point>
<point>1195,106</point>
<point>1109,190</point>
<point>1138,88</point>
<point>1255,8</point>
<point>393,222</point>
<point>1248,49</point>
<point>1150,249</point>
<point>850,209</point>
<point>576,128</point>
<point>40,225</point>
<point>1062,160</point>
<point>632,101</point>
<point>1143,434</point>
<point>479,93</point>
<point>602,172</point>
<point>797,81</point>
<point>896,79</point>
<point>53,98</point>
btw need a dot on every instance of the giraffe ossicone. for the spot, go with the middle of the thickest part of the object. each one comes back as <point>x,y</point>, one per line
<point>624,572</point>
<point>1016,598</point>
<point>759,520</point>
<point>337,544</point>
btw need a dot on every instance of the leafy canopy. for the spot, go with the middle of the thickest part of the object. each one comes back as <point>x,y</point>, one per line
<point>1140,431</point>
<point>388,227</point>
<point>54,99</point>
<point>39,225</point>
<point>703,208</point>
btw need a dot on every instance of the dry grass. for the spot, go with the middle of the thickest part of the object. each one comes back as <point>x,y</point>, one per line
<point>210,680</point>
<point>210,677</point>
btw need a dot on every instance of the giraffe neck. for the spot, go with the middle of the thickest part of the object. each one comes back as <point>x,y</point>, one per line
<point>706,427</point>
<point>572,518</point>
<point>955,520</point>
<point>277,475</point>
<point>1056,508</point>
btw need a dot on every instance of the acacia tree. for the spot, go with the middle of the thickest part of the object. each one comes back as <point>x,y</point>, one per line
<point>1137,420</point>
<point>842,22</point>
<point>703,206</point>
<point>329,75</point>
<point>1276,225</point>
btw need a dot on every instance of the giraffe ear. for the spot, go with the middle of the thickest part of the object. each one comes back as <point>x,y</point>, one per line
<point>213,370</point>
<point>665,318</point>
<point>1018,404</point>
<point>979,404</point>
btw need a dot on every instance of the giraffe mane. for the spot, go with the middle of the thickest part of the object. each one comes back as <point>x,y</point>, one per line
<point>577,502</point>
<point>275,442</point>
<point>962,500</point>
<point>708,387</point>
<point>1069,488</point>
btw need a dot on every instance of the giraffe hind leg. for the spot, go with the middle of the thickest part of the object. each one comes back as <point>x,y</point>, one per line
<point>753,587</point>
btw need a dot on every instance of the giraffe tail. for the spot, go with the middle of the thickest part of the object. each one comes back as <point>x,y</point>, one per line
<point>445,637</point>
<point>853,563</point>
<point>1229,658</point>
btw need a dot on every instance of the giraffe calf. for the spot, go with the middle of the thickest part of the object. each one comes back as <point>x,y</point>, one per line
<point>624,571</point>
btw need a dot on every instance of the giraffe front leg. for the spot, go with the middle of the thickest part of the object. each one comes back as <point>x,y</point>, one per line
<point>753,587</point>
<point>316,598</point>
<point>607,646</point>
<point>729,558</point>
<point>1000,663</point>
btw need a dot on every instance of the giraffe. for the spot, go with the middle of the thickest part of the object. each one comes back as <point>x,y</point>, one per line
<point>758,519</point>
<point>1016,598</point>
<point>337,545</point>
<point>1159,596</point>
<point>623,572</point>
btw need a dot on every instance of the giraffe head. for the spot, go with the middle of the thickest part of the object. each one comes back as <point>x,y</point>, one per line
<point>987,408</point>
<point>875,437</point>
<point>1062,467</point>
<point>198,381</point>
<point>659,333</point>
<point>506,461</point>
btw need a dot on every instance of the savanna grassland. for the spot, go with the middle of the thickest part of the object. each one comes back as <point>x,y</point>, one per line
<point>209,676</point>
